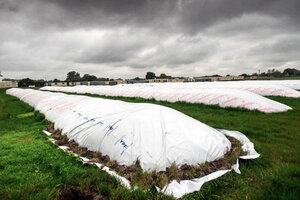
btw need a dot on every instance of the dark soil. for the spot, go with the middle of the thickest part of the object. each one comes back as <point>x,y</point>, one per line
<point>135,174</point>
<point>75,193</point>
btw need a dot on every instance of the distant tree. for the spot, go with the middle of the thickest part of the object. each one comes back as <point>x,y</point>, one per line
<point>88,77</point>
<point>216,75</point>
<point>228,75</point>
<point>9,79</point>
<point>25,82</point>
<point>39,83</point>
<point>291,72</point>
<point>277,74</point>
<point>269,71</point>
<point>56,80</point>
<point>102,79</point>
<point>263,74</point>
<point>137,78</point>
<point>245,75</point>
<point>1,75</point>
<point>163,75</point>
<point>150,75</point>
<point>77,77</point>
<point>73,76</point>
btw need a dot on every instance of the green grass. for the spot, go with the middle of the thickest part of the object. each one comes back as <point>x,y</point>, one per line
<point>275,175</point>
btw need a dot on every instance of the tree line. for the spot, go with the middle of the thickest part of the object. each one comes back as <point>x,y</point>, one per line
<point>270,73</point>
<point>74,76</point>
<point>276,73</point>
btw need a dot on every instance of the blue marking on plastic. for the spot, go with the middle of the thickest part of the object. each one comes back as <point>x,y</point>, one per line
<point>111,128</point>
<point>123,143</point>
<point>125,147</point>
<point>149,154</point>
<point>118,141</point>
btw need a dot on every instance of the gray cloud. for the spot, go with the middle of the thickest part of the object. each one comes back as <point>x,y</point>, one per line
<point>129,37</point>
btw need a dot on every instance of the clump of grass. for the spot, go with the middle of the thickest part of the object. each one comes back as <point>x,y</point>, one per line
<point>235,151</point>
<point>141,179</point>
<point>38,116</point>
<point>172,171</point>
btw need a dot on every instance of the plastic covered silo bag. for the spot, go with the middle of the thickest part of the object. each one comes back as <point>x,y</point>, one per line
<point>158,136</point>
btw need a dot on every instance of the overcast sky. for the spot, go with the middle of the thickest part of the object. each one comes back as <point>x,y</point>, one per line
<point>127,38</point>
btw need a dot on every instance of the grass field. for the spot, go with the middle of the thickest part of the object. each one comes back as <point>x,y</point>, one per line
<point>31,167</point>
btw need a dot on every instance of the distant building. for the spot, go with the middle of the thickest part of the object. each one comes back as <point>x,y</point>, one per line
<point>226,78</point>
<point>176,80</point>
<point>57,84</point>
<point>172,80</point>
<point>188,79</point>
<point>159,80</point>
<point>202,79</point>
<point>133,81</point>
<point>120,81</point>
<point>8,84</point>
<point>88,83</point>
<point>106,81</point>
<point>84,83</point>
<point>97,83</point>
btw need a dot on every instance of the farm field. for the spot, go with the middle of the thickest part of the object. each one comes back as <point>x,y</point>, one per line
<point>32,168</point>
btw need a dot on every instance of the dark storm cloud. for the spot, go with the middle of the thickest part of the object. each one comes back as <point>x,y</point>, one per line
<point>110,52</point>
<point>182,15</point>
<point>126,38</point>
<point>198,14</point>
<point>282,50</point>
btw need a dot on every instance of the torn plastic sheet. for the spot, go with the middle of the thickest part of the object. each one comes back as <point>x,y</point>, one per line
<point>183,187</point>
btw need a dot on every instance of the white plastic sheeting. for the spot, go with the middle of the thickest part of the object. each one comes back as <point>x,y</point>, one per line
<point>264,88</point>
<point>172,92</point>
<point>158,136</point>
<point>179,189</point>
<point>293,84</point>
